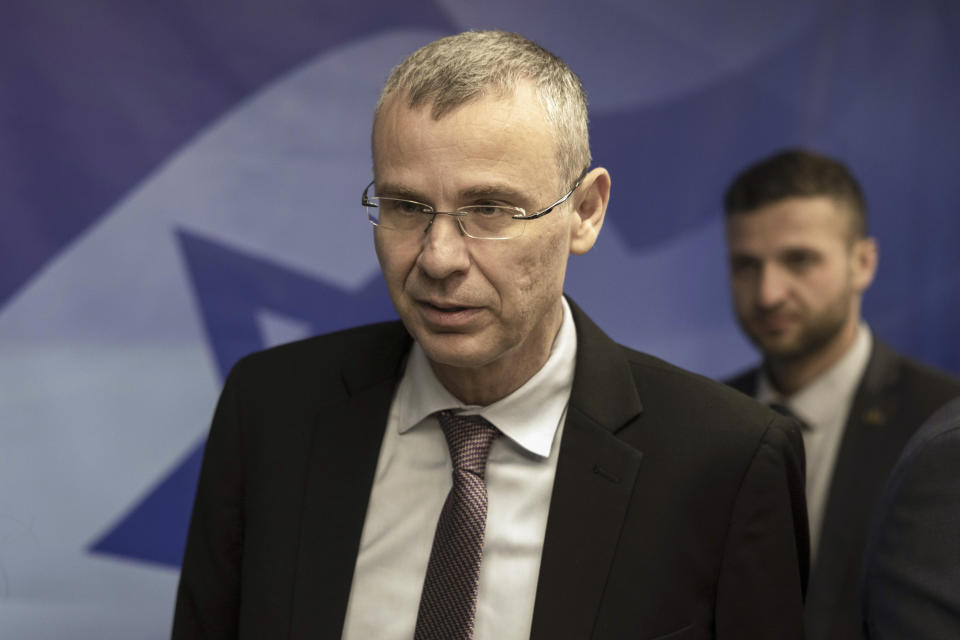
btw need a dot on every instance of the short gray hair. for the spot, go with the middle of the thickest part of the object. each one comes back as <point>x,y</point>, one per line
<point>454,70</point>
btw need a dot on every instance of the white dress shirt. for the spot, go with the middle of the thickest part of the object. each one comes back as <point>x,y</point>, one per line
<point>824,405</point>
<point>413,478</point>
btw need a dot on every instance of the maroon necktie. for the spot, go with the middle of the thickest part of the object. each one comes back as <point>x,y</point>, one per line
<point>448,604</point>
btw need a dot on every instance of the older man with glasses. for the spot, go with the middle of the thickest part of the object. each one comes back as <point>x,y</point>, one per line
<point>492,466</point>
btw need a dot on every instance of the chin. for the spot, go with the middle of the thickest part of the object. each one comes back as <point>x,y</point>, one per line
<point>784,349</point>
<point>781,346</point>
<point>454,349</point>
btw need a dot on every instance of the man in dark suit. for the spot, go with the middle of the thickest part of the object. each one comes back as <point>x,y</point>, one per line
<point>800,261</point>
<point>911,578</point>
<point>596,492</point>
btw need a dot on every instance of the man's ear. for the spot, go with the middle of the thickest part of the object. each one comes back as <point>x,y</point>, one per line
<point>591,207</point>
<point>864,262</point>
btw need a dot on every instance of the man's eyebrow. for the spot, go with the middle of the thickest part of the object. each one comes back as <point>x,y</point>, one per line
<point>399,191</point>
<point>799,248</point>
<point>498,191</point>
<point>743,256</point>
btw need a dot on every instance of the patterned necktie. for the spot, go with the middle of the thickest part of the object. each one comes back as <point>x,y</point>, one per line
<point>448,604</point>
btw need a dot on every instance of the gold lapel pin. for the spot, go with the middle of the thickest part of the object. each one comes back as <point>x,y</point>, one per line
<point>874,417</point>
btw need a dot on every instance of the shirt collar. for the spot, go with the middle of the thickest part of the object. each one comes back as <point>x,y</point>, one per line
<point>529,416</point>
<point>821,398</point>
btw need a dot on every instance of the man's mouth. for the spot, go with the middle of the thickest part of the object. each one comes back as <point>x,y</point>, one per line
<point>451,308</point>
<point>451,315</point>
<point>774,322</point>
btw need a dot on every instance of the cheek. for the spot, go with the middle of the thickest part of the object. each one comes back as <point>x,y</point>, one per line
<point>396,260</point>
<point>742,291</point>
<point>540,272</point>
<point>527,274</point>
<point>379,247</point>
<point>822,285</point>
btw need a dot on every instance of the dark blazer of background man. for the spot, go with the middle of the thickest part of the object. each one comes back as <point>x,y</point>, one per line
<point>800,261</point>
<point>676,509</point>
<point>911,577</point>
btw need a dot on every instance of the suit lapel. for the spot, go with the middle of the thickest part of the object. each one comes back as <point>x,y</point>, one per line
<point>343,459</point>
<point>595,478</point>
<point>863,448</point>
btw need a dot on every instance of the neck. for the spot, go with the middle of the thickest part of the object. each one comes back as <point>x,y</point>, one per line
<point>790,375</point>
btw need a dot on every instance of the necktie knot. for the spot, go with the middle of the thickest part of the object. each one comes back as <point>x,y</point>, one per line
<point>469,439</point>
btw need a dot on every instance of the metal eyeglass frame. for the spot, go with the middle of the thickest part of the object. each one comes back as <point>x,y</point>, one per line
<point>365,202</point>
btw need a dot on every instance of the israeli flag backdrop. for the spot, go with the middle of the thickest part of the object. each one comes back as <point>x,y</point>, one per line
<point>180,182</point>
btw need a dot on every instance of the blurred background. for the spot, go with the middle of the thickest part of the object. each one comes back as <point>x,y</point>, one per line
<point>180,185</point>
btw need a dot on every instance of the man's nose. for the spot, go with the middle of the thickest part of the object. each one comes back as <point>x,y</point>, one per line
<point>772,287</point>
<point>444,249</point>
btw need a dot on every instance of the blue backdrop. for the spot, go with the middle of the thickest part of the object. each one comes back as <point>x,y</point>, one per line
<point>179,185</point>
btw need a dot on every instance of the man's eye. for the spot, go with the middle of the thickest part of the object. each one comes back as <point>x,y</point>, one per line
<point>799,260</point>
<point>411,207</point>
<point>487,210</point>
<point>401,207</point>
<point>743,266</point>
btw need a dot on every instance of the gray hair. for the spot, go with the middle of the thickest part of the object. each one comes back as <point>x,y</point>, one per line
<point>454,70</point>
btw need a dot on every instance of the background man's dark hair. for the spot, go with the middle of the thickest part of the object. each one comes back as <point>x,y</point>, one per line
<point>797,173</point>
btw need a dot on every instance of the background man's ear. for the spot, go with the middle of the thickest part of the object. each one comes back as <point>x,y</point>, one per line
<point>865,257</point>
<point>591,207</point>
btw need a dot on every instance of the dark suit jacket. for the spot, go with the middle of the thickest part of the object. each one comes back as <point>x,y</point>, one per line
<point>912,564</point>
<point>894,397</point>
<point>677,509</point>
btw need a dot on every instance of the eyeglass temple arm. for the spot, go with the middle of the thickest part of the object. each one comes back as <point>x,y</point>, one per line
<point>559,202</point>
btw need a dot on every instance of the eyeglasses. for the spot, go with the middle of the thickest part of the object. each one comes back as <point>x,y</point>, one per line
<point>481,221</point>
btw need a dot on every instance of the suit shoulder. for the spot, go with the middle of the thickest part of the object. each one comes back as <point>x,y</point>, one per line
<point>312,357</point>
<point>711,426</point>
<point>925,387</point>
<point>672,390</point>
<point>936,382</point>
<point>946,420</point>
